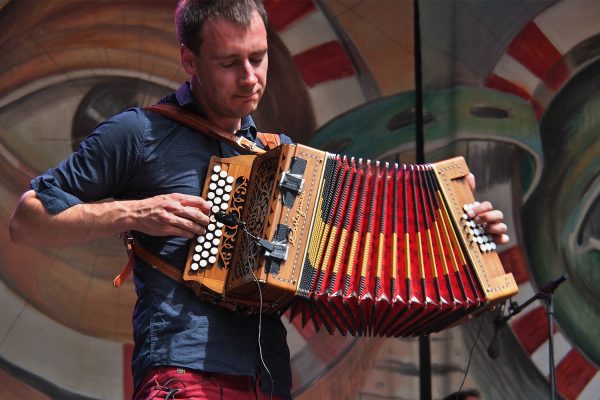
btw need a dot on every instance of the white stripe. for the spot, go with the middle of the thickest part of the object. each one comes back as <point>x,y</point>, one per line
<point>541,354</point>
<point>73,361</point>
<point>308,32</point>
<point>569,23</point>
<point>332,98</point>
<point>592,390</point>
<point>513,71</point>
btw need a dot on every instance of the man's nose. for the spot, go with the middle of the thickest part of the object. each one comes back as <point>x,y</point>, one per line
<point>248,73</point>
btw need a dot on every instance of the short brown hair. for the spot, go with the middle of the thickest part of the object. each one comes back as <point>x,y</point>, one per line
<point>190,16</point>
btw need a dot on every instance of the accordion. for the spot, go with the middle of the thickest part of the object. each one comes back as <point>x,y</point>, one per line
<point>361,247</point>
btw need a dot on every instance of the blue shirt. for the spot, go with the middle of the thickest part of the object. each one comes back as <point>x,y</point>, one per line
<point>138,154</point>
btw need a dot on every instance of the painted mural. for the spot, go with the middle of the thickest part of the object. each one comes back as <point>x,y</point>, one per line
<point>512,85</point>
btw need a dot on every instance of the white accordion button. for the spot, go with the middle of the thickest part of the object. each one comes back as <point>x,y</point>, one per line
<point>217,169</point>
<point>194,266</point>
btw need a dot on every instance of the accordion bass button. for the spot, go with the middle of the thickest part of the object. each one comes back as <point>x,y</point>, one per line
<point>212,259</point>
<point>217,169</point>
<point>214,177</point>
<point>201,239</point>
<point>196,257</point>
<point>194,266</point>
<point>198,249</point>
<point>211,227</point>
<point>203,263</point>
<point>212,186</point>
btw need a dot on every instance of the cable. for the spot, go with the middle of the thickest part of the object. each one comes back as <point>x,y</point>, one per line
<point>260,352</point>
<point>470,356</point>
<point>232,220</point>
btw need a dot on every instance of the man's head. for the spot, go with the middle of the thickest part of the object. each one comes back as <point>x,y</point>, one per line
<point>224,50</point>
<point>191,15</point>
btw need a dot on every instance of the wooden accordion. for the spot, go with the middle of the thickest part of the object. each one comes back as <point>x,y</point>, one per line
<point>365,248</point>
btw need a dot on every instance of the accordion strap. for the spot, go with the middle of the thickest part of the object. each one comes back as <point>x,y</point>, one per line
<point>156,262</point>
<point>204,126</point>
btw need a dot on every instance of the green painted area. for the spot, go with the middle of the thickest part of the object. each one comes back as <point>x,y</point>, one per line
<point>561,220</point>
<point>387,126</point>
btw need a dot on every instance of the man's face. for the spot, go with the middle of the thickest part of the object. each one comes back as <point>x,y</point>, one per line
<point>230,72</point>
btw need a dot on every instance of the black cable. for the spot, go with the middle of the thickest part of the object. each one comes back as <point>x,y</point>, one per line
<point>470,357</point>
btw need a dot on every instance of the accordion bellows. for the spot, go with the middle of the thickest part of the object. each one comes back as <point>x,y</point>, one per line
<point>361,247</point>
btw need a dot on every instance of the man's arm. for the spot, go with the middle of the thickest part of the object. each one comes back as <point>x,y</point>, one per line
<point>170,214</point>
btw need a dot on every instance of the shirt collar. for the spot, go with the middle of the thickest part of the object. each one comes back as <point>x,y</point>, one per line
<point>186,101</point>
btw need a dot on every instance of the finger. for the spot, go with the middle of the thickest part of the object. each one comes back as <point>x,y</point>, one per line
<point>489,217</point>
<point>192,218</point>
<point>194,201</point>
<point>479,208</point>
<point>497,229</point>
<point>501,239</point>
<point>471,181</point>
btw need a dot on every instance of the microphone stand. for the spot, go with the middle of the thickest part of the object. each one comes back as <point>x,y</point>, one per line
<point>546,294</point>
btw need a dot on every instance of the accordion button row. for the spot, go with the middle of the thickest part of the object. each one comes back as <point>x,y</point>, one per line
<point>476,232</point>
<point>218,196</point>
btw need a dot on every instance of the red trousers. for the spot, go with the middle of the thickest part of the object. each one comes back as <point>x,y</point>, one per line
<point>168,383</point>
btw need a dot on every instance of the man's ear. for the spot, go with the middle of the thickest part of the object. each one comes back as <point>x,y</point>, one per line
<point>188,60</point>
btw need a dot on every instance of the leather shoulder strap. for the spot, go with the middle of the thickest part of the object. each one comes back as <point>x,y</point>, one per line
<point>269,140</point>
<point>204,126</point>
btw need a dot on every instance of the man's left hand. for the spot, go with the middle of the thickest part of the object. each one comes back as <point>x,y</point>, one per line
<point>485,214</point>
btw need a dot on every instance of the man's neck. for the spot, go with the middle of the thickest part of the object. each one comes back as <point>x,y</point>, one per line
<point>231,125</point>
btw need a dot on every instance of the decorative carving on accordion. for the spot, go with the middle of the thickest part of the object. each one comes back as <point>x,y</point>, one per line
<point>256,212</point>
<point>240,189</point>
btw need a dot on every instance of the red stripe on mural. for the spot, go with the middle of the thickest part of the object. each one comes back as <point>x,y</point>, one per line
<point>127,377</point>
<point>498,83</point>
<point>532,329</point>
<point>573,373</point>
<point>283,13</point>
<point>534,50</point>
<point>503,85</point>
<point>326,62</point>
<point>513,259</point>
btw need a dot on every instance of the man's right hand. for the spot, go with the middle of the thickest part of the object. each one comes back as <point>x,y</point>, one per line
<point>172,214</point>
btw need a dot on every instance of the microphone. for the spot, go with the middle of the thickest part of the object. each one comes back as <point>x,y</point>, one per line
<point>551,286</point>
<point>227,219</point>
<point>495,347</point>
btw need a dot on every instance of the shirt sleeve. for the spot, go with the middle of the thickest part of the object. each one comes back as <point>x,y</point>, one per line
<point>285,139</point>
<point>99,169</point>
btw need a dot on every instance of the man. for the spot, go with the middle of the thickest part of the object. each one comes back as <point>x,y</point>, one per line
<point>154,168</point>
